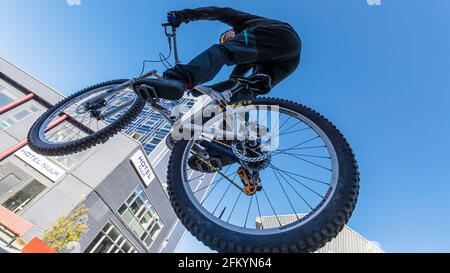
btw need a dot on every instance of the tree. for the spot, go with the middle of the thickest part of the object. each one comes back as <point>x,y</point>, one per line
<point>67,229</point>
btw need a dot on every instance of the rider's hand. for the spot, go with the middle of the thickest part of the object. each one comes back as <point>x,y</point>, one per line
<point>175,18</point>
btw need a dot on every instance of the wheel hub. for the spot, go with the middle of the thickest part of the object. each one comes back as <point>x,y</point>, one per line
<point>92,107</point>
<point>251,155</point>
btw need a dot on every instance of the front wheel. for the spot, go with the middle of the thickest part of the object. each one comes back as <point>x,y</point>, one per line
<point>308,186</point>
<point>81,121</point>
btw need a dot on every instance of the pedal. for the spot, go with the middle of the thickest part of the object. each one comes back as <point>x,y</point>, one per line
<point>202,166</point>
<point>147,92</point>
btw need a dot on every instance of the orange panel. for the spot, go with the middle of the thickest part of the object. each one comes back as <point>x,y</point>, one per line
<point>37,246</point>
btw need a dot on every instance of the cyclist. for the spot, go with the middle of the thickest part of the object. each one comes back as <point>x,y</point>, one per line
<point>268,46</point>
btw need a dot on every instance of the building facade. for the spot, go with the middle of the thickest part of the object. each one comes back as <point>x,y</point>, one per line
<point>348,240</point>
<point>121,183</point>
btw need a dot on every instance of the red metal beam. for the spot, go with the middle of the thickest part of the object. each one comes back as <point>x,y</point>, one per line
<point>16,103</point>
<point>19,145</point>
<point>13,222</point>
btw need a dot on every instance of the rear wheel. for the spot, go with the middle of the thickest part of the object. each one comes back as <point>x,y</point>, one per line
<point>84,127</point>
<point>308,189</point>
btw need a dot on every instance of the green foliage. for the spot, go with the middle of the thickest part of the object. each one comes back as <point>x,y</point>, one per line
<point>66,229</point>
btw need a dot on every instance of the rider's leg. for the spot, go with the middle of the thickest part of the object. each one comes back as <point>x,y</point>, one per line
<point>278,70</point>
<point>204,67</point>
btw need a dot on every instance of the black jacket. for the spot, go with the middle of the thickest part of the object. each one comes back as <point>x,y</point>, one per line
<point>238,20</point>
<point>273,38</point>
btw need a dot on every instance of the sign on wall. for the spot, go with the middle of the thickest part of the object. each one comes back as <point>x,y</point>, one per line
<point>142,166</point>
<point>40,163</point>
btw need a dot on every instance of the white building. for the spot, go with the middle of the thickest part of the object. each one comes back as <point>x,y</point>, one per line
<point>348,241</point>
<point>126,212</point>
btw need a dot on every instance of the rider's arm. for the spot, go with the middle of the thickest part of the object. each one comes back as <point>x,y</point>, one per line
<point>232,17</point>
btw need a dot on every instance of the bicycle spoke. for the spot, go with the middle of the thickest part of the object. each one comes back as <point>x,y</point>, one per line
<point>296,131</point>
<point>289,200</point>
<point>223,196</point>
<point>234,206</point>
<point>204,187</point>
<point>282,125</point>
<point>248,211</point>
<point>192,179</point>
<point>318,194</point>
<point>298,122</point>
<point>209,193</point>
<point>270,203</point>
<point>308,148</point>
<point>312,163</point>
<point>300,144</point>
<point>79,130</point>
<point>304,155</point>
<point>302,176</point>
<point>259,210</point>
<point>299,195</point>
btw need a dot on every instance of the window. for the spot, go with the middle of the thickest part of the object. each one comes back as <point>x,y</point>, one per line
<point>6,236</point>
<point>8,183</point>
<point>6,96</point>
<point>155,140</point>
<point>110,240</point>
<point>141,217</point>
<point>136,136</point>
<point>12,179</point>
<point>22,114</point>
<point>17,117</point>
<point>23,197</point>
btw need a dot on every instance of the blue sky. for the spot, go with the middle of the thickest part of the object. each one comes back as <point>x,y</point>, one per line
<point>380,73</point>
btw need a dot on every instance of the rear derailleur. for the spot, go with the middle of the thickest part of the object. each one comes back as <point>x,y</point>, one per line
<point>251,181</point>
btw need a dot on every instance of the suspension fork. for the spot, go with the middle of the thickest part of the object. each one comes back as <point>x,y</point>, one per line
<point>172,38</point>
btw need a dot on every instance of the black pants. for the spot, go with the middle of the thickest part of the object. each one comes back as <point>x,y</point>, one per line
<point>273,50</point>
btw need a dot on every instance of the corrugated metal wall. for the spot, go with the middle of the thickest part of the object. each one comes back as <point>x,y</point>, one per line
<point>348,241</point>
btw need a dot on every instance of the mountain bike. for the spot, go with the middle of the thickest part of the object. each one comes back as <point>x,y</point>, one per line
<point>256,174</point>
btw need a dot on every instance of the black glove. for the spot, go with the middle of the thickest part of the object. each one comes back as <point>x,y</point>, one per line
<point>176,18</point>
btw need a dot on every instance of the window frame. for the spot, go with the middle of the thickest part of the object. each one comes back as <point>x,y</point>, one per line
<point>10,120</point>
<point>138,216</point>
<point>9,92</point>
<point>28,201</point>
<point>117,243</point>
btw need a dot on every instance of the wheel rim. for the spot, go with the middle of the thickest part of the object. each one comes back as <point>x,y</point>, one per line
<point>225,214</point>
<point>82,125</point>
